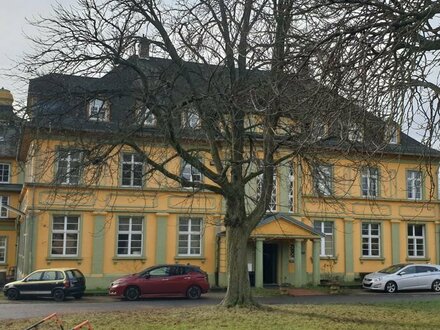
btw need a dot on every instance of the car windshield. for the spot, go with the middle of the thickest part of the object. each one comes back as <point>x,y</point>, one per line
<point>392,269</point>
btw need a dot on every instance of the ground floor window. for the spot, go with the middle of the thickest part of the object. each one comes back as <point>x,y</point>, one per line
<point>65,235</point>
<point>370,239</point>
<point>190,236</point>
<point>416,241</point>
<point>327,242</point>
<point>130,236</point>
<point>3,241</point>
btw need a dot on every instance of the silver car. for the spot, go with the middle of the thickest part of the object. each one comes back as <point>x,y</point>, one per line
<point>404,277</point>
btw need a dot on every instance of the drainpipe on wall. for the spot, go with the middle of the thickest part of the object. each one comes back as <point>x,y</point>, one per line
<point>217,259</point>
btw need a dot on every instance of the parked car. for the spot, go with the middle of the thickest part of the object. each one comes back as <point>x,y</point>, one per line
<point>162,281</point>
<point>404,277</point>
<point>57,283</point>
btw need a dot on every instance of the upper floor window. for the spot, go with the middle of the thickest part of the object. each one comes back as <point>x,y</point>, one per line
<point>3,211</point>
<point>65,235</point>
<point>191,174</point>
<point>291,187</point>
<point>69,166</point>
<point>322,180</point>
<point>318,131</point>
<point>273,195</point>
<point>132,170</point>
<point>414,185</point>
<point>370,240</point>
<point>99,110</point>
<point>190,119</point>
<point>416,240</point>
<point>130,236</point>
<point>3,246</point>
<point>327,242</point>
<point>190,237</point>
<point>145,116</point>
<point>4,172</point>
<point>392,134</point>
<point>370,179</point>
<point>355,133</point>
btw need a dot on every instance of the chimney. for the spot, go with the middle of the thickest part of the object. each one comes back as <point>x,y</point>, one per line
<point>144,48</point>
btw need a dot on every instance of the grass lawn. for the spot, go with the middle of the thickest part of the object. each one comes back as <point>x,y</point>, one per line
<point>416,315</point>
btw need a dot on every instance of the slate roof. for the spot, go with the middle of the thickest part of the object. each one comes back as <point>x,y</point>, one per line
<point>60,102</point>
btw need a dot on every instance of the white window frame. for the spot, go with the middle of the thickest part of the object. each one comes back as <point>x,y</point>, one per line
<point>191,119</point>
<point>65,232</point>
<point>146,117</point>
<point>322,177</point>
<point>4,200</point>
<point>5,167</point>
<point>328,236</point>
<point>191,174</point>
<point>355,133</point>
<point>70,157</point>
<point>414,185</point>
<point>188,236</point>
<point>368,239</point>
<point>414,239</point>
<point>130,233</point>
<point>392,134</point>
<point>98,110</point>
<point>291,188</point>
<point>132,163</point>
<point>3,248</point>
<point>370,180</point>
<point>272,207</point>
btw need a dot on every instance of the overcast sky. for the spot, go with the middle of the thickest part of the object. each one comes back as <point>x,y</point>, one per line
<point>13,44</point>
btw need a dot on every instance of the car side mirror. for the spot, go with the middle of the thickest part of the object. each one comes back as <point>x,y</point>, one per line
<point>401,273</point>
<point>147,276</point>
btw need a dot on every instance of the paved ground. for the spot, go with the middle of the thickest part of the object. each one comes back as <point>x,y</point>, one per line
<point>43,307</point>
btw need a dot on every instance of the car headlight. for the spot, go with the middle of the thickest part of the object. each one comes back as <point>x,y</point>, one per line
<point>378,279</point>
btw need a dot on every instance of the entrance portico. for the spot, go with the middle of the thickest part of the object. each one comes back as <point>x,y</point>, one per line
<point>280,241</point>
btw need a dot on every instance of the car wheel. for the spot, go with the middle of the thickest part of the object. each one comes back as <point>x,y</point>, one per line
<point>78,295</point>
<point>132,293</point>
<point>193,292</point>
<point>436,286</point>
<point>391,287</point>
<point>13,294</point>
<point>58,295</point>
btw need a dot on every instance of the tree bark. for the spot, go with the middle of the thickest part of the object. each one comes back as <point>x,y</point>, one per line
<point>239,290</point>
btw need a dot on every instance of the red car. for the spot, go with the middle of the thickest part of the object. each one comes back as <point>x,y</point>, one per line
<point>162,281</point>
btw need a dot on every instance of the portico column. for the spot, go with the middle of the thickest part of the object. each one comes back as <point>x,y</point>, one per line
<point>298,263</point>
<point>259,263</point>
<point>316,261</point>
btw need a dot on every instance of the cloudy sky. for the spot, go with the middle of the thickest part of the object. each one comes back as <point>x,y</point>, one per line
<point>13,43</point>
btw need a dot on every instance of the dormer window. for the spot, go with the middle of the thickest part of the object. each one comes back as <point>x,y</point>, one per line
<point>354,133</point>
<point>99,110</point>
<point>392,134</point>
<point>144,116</point>
<point>318,131</point>
<point>191,119</point>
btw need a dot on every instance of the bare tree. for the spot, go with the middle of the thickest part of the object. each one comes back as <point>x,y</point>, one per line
<point>241,75</point>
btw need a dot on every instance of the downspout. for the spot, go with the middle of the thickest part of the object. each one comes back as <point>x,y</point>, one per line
<point>217,259</point>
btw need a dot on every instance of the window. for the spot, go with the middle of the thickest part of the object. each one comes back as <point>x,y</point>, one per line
<point>370,240</point>
<point>191,119</point>
<point>317,131</point>
<point>291,187</point>
<point>3,246</point>
<point>3,211</point>
<point>322,178</point>
<point>414,185</point>
<point>273,196</point>
<point>99,110</point>
<point>130,233</point>
<point>327,242</point>
<point>191,174</point>
<point>416,241</point>
<point>370,182</point>
<point>4,173</point>
<point>65,235</point>
<point>52,276</point>
<point>132,170</point>
<point>354,133</point>
<point>391,134</point>
<point>34,277</point>
<point>145,116</point>
<point>292,252</point>
<point>69,166</point>
<point>190,237</point>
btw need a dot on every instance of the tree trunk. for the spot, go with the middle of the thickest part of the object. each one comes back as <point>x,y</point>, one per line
<point>239,290</point>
